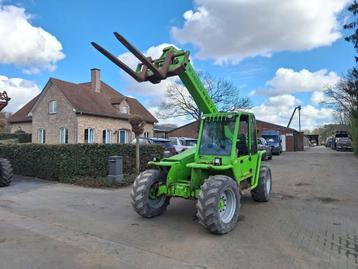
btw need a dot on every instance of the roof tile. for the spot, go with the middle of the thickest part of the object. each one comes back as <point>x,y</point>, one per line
<point>86,101</point>
<point>22,115</point>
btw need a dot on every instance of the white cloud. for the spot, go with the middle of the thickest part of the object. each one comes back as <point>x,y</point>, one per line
<point>154,94</point>
<point>19,90</point>
<point>154,91</point>
<point>24,45</point>
<point>318,98</point>
<point>286,100</point>
<point>278,110</point>
<point>288,81</point>
<point>231,30</point>
<point>155,52</point>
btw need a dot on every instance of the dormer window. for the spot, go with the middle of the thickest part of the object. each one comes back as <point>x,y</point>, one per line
<point>52,107</point>
<point>124,109</point>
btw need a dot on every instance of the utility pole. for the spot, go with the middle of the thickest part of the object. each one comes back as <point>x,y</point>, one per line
<point>299,118</point>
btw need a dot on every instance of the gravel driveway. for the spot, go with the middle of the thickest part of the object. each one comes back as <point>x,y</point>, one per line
<point>310,222</point>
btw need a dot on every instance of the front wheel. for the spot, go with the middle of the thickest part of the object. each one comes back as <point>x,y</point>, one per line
<point>218,205</point>
<point>144,194</point>
<point>263,190</point>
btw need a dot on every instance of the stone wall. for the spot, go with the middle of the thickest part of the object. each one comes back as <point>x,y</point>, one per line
<point>65,117</point>
<point>75,123</point>
<point>101,123</point>
<point>22,126</point>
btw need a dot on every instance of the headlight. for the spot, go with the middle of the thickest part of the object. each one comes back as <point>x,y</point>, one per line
<point>217,161</point>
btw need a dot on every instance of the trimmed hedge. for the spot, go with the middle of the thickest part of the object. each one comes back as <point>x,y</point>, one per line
<point>65,162</point>
<point>21,137</point>
<point>354,133</point>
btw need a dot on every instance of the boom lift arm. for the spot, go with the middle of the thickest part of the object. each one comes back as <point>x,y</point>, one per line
<point>172,62</point>
<point>299,117</point>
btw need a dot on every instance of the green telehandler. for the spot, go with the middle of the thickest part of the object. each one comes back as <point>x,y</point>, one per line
<point>225,162</point>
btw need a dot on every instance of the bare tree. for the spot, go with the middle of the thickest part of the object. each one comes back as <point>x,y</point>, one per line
<point>344,96</point>
<point>137,123</point>
<point>224,94</point>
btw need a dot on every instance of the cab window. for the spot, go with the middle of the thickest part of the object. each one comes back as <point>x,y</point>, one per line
<point>243,136</point>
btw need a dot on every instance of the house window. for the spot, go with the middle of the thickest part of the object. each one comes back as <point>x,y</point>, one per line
<point>89,136</point>
<point>122,136</point>
<point>124,109</point>
<point>107,136</point>
<point>52,107</point>
<point>41,136</point>
<point>63,135</point>
<point>146,134</point>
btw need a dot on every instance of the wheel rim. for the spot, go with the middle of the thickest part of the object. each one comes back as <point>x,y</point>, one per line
<point>268,183</point>
<point>153,199</point>
<point>227,205</point>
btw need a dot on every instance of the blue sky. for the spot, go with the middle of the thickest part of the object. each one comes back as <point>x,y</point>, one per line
<point>277,55</point>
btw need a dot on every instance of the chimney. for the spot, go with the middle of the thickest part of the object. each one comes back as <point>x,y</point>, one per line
<point>96,79</point>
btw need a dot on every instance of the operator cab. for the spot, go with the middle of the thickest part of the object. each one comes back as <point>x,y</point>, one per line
<point>227,136</point>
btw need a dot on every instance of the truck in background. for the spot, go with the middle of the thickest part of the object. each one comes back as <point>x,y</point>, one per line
<point>273,138</point>
<point>183,143</point>
<point>342,141</point>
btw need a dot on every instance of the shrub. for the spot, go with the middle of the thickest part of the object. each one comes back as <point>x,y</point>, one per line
<point>65,162</point>
<point>21,137</point>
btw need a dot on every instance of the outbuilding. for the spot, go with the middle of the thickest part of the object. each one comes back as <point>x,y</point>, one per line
<point>292,140</point>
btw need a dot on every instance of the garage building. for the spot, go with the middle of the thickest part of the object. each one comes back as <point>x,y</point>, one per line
<point>292,140</point>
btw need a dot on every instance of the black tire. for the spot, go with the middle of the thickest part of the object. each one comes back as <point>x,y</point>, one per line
<point>270,158</point>
<point>140,194</point>
<point>218,220</point>
<point>263,190</point>
<point>6,173</point>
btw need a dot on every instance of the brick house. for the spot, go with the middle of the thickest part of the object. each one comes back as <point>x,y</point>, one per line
<point>91,112</point>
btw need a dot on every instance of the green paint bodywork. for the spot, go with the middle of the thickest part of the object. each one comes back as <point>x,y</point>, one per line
<point>187,171</point>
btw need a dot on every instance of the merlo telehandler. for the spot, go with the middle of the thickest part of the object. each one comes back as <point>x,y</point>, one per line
<point>225,162</point>
<point>5,166</point>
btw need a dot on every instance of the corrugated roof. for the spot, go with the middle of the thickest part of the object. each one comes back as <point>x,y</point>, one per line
<point>276,125</point>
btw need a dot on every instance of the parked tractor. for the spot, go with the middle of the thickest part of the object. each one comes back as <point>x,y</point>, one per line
<point>224,164</point>
<point>5,166</point>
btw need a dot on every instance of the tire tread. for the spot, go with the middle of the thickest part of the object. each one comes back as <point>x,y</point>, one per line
<point>6,172</point>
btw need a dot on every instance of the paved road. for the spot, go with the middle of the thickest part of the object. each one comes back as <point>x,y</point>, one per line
<point>310,222</point>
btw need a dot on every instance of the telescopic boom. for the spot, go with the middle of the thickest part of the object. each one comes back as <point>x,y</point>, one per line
<point>172,62</point>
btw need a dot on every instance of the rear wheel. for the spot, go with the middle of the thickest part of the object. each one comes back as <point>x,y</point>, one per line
<point>263,190</point>
<point>6,173</point>
<point>218,205</point>
<point>144,194</point>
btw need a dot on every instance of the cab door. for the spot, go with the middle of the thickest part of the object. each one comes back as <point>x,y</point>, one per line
<point>242,165</point>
